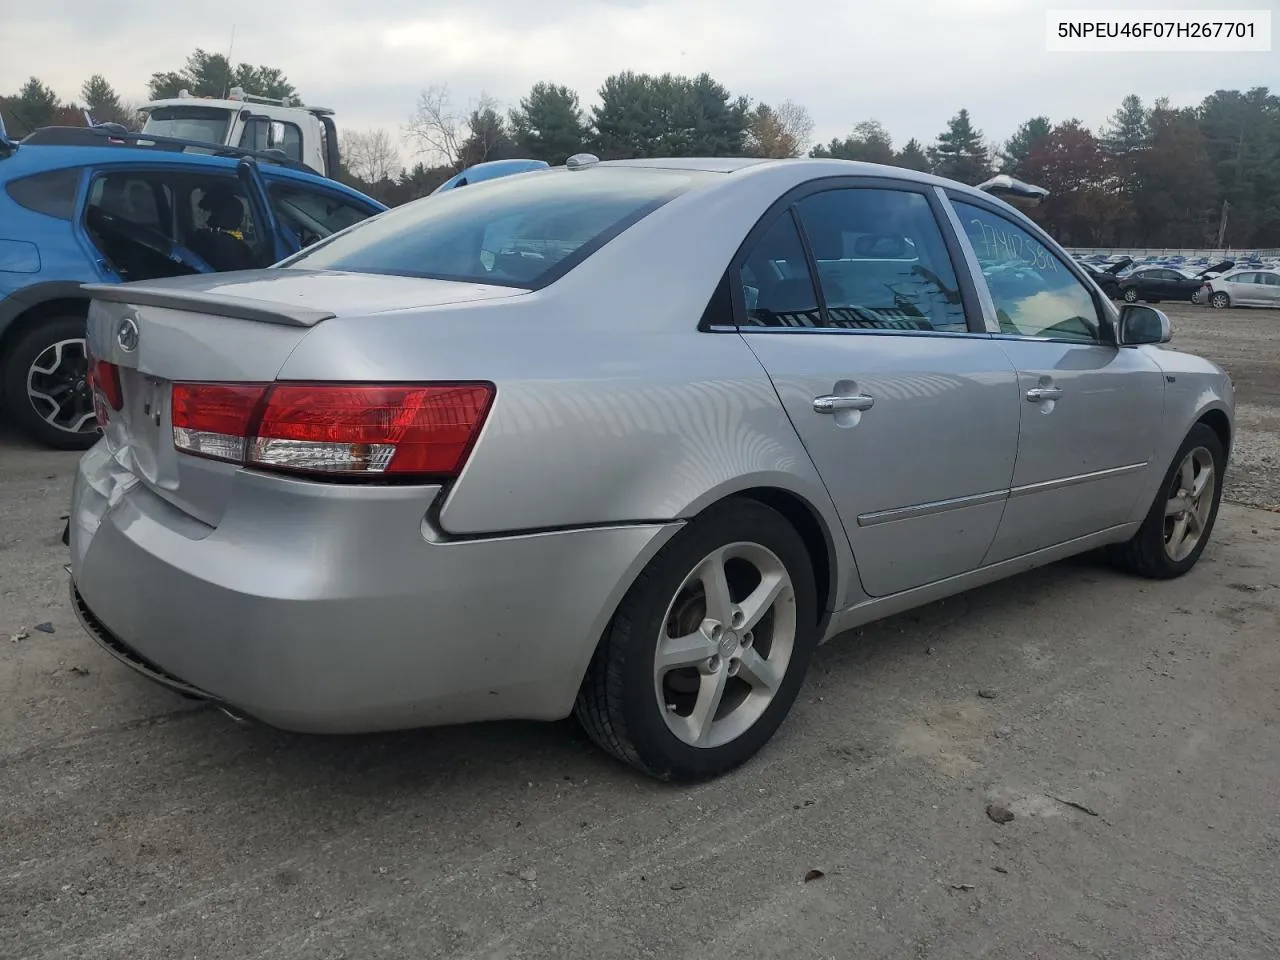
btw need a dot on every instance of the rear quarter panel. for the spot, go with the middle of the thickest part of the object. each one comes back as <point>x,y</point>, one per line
<point>588,427</point>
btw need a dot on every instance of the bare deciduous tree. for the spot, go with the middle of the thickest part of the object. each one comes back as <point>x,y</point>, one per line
<point>796,124</point>
<point>370,155</point>
<point>444,132</point>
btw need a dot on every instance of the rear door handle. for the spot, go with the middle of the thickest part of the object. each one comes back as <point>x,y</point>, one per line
<point>1039,394</point>
<point>831,403</point>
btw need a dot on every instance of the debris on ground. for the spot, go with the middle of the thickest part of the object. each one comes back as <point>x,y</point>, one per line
<point>1003,732</point>
<point>962,886</point>
<point>999,813</point>
<point>528,876</point>
<point>677,886</point>
<point>814,874</point>
<point>1072,803</point>
<point>79,670</point>
<point>987,694</point>
<point>999,869</point>
<point>45,627</point>
<point>19,636</point>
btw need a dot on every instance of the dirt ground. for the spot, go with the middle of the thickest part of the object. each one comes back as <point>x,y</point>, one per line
<point>1130,727</point>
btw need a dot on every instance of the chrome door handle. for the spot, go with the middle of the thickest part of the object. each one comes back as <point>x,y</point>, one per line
<point>833,402</point>
<point>1037,394</point>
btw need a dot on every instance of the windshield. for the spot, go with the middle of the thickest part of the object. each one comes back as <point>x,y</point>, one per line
<point>203,124</point>
<point>520,231</point>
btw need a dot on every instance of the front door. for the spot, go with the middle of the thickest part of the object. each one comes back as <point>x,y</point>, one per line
<point>1090,411</point>
<point>909,414</point>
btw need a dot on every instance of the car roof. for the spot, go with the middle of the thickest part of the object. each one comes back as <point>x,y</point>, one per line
<point>38,158</point>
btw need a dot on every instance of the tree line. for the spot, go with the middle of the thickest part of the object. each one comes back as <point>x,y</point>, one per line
<point>1152,175</point>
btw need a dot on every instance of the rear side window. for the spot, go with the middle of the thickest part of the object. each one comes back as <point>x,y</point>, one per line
<point>519,231</point>
<point>52,193</point>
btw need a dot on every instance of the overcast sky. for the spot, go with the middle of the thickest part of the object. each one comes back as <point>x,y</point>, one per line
<point>908,63</point>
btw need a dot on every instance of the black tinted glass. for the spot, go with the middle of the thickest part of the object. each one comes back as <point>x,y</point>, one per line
<point>52,193</point>
<point>519,231</point>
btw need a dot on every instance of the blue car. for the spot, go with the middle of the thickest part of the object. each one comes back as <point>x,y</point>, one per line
<point>92,205</point>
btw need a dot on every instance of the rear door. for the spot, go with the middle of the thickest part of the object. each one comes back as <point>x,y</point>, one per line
<point>1090,411</point>
<point>1269,288</point>
<point>907,408</point>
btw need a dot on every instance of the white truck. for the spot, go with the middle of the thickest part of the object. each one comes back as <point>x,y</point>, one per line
<point>304,134</point>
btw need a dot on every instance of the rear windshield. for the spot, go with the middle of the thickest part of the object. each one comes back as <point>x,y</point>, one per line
<point>519,231</point>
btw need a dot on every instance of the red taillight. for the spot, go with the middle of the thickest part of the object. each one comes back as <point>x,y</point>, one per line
<point>104,387</point>
<point>333,429</point>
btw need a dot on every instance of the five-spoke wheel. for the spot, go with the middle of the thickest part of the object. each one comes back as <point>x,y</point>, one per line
<point>706,653</point>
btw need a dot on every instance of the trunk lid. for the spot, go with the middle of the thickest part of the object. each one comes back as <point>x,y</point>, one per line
<point>229,328</point>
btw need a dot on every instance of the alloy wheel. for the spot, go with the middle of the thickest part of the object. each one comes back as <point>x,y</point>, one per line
<point>58,387</point>
<point>726,642</point>
<point>1189,504</point>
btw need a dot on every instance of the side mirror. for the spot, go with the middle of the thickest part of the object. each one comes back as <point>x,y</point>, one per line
<point>1141,324</point>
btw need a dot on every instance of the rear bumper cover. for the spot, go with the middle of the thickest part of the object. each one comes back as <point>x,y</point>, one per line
<point>332,610</point>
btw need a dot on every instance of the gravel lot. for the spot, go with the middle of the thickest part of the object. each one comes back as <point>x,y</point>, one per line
<point>1130,727</point>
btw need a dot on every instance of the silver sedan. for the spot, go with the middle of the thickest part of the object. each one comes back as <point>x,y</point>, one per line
<point>626,440</point>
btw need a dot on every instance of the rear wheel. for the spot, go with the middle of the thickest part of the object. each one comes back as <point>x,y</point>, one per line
<point>1130,295</point>
<point>1178,526</point>
<point>706,653</point>
<point>45,388</point>
<point>1220,301</point>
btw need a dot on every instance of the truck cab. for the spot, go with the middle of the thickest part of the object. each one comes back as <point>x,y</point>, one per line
<point>304,134</point>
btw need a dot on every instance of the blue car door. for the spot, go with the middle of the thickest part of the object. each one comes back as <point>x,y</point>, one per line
<point>284,242</point>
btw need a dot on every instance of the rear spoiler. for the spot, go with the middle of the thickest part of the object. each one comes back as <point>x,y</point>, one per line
<point>143,294</point>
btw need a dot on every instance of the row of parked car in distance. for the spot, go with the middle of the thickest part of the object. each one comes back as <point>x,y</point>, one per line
<point>1248,282</point>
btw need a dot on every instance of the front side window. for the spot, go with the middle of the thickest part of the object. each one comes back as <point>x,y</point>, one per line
<point>313,215</point>
<point>882,262</point>
<point>525,230</point>
<point>1035,294</point>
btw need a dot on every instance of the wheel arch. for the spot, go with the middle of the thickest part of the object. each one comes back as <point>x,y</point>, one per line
<point>37,304</point>
<point>1217,420</point>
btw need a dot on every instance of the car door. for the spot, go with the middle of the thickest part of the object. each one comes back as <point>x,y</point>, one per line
<point>283,242</point>
<point>311,213</point>
<point>1269,289</point>
<point>1090,411</point>
<point>907,408</point>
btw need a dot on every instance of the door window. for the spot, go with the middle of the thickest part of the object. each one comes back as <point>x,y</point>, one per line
<point>777,287</point>
<point>882,262</point>
<point>313,215</point>
<point>1034,292</point>
<point>129,216</point>
<point>263,133</point>
<point>1270,279</point>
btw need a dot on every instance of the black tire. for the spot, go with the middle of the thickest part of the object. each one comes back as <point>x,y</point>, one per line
<point>1220,301</point>
<point>1129,295</point>
<point>618,704</point>
<point>1145,553</point>
<point>14,368</point>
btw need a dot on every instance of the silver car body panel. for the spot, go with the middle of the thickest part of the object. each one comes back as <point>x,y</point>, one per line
<point>342,608</point>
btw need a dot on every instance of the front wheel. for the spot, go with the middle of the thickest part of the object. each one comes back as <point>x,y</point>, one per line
<point>1131,295</point>
<point>1178,526</point>
<point>1220,301</point>
<point>707,652</point>
<point>45,386</point>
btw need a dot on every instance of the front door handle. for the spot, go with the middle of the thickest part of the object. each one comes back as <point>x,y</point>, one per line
<point>1040,394</point>
<point>834,402</point>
